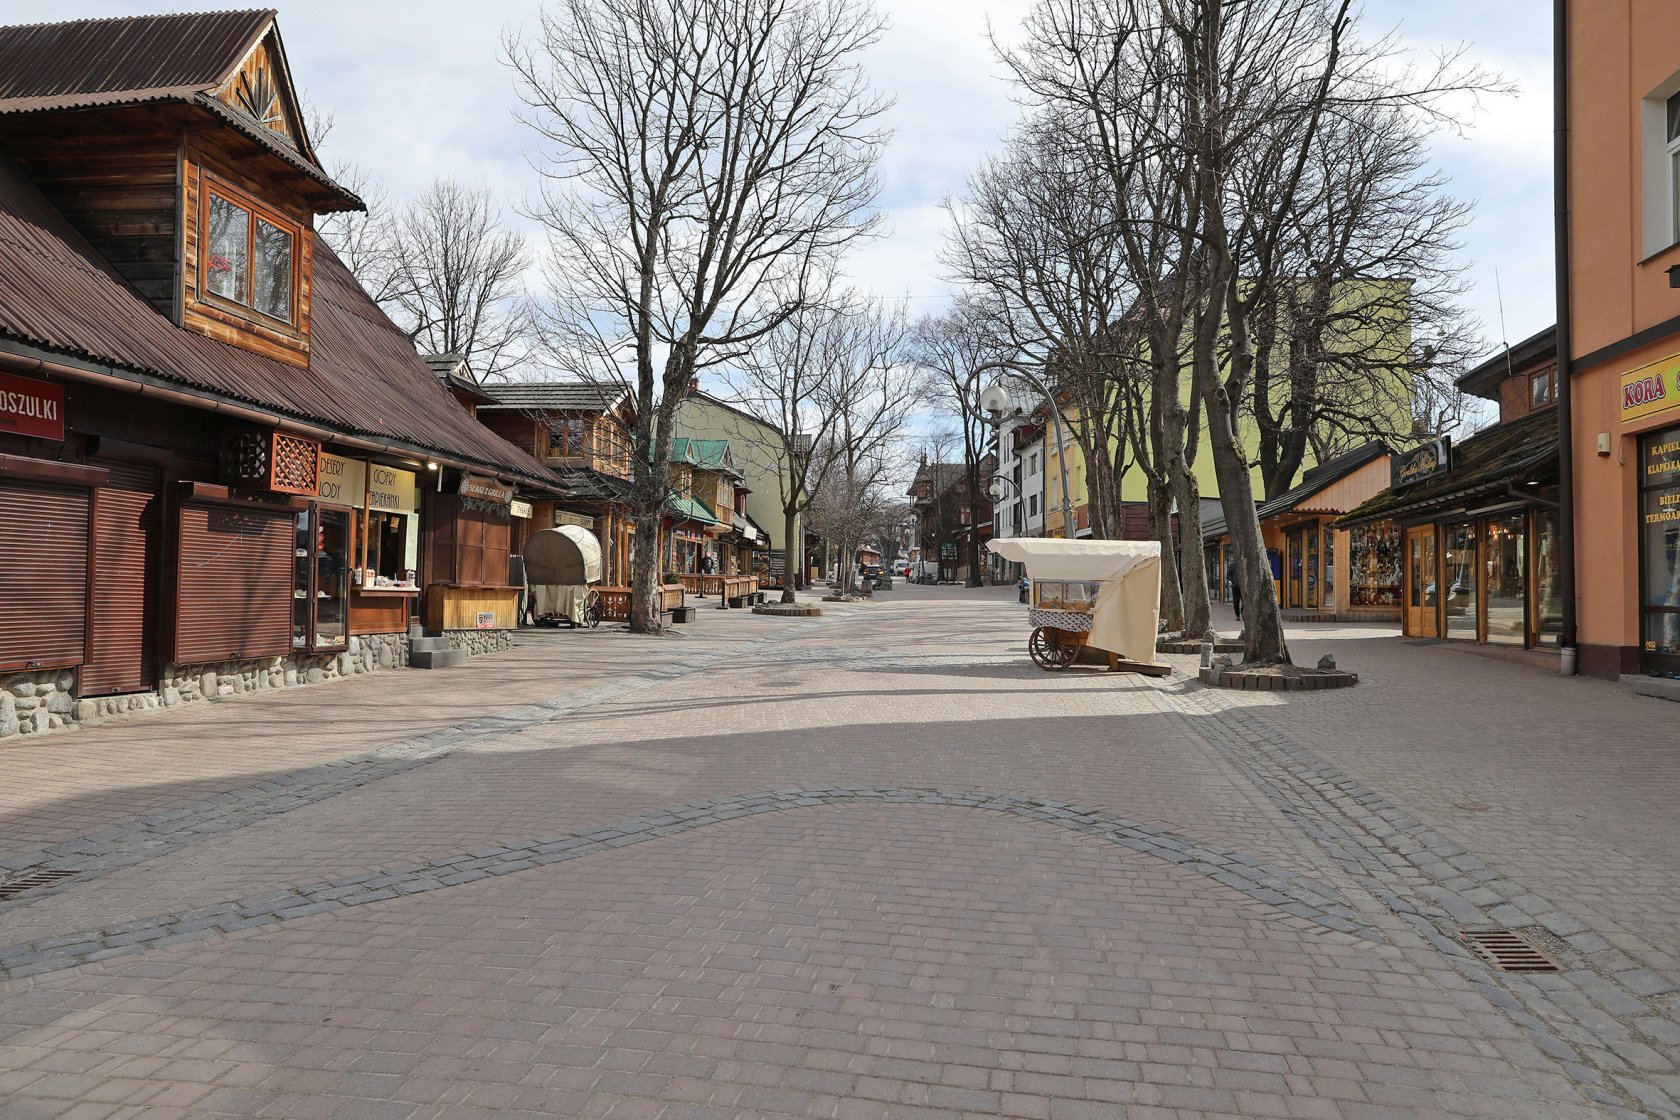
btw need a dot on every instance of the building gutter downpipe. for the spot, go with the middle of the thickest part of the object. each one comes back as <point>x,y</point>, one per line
<point>1565,343</point>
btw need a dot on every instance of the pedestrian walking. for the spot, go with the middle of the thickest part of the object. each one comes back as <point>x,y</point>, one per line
<point>1233,573</point>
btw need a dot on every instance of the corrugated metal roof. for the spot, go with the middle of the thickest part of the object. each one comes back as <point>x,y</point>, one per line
<point>59,295</point>
<point>109,63</point>
<point>183,51</point>
<point>581,395</point>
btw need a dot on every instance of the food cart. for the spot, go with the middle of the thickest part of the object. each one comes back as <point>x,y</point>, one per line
<point>1087,594</point>
<point>560,565</point>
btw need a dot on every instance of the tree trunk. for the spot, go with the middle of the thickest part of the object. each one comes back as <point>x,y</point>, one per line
<point>1193,576</point>
<point>790,518</point>
<point>644,598</point>
<point>1160,528</point>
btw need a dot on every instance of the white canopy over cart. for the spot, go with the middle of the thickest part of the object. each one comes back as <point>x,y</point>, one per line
<point>1102,594</point>
<point>560,564</point>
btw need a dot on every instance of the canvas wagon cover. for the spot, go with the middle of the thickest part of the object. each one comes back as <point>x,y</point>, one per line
<point>1127,613</point>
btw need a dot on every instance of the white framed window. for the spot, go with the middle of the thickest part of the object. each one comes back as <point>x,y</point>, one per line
<point>1659,167</point>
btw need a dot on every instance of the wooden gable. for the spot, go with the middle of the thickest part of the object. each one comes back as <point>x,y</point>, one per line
<point>260,88</point>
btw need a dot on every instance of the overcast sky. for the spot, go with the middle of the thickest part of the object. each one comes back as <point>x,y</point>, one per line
<point>417,91</point>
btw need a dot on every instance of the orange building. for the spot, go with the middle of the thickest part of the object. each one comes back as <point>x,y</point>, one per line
<point>1619,323</point>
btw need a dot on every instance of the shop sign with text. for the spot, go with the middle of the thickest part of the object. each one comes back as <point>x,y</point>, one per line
<point>31,408</point>
<point>483,489</point>
<point>343,481</point>
<point>1427,461</point>
<point>392,490</point>
<point>1651,389</point>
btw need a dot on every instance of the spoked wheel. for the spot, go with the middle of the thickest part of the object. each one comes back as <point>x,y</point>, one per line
<point>593,609</point>
<point>1049,650</point>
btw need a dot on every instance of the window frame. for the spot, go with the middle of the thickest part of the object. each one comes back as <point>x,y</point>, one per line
<point>214,186</point>
<point>1671,162</point>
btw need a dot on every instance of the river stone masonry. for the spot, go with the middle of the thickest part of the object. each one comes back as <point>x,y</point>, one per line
<point>33,703</point>
<point>480,641</point>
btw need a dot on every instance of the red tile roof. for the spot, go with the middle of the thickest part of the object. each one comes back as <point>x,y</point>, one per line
<point>364,378</point>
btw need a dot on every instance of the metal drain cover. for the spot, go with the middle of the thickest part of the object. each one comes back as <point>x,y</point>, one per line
<point>33,881</point>
<point>1507,950</point>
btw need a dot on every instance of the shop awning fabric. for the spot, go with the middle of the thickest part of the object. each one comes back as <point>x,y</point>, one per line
<point>1488,463</point>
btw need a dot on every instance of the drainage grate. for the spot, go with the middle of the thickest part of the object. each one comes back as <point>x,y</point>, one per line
<point>33,881</point>
<point>1507,950</point>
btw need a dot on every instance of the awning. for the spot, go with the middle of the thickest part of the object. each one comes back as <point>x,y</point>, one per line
<point>691,510</point>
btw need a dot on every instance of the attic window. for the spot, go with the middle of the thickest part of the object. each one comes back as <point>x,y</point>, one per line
<point>250,254</point>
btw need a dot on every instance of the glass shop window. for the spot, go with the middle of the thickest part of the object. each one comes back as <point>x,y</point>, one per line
<point>321,579</point>
<point>1462,619</point>
<point>1506,542</point>
<point>387,545</point>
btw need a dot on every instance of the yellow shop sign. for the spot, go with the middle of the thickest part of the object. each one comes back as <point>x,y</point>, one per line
<point>1651,389</point>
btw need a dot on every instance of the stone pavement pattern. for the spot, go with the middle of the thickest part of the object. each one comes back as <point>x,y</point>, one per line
<point>751,871</point>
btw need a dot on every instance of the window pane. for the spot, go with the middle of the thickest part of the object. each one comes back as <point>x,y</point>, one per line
<point>1674,118</point>
<point>332,577</point>
<point>272,277</point>
<point>300,585</point>
<point>1660,542</point>
<point>1461,581</point>
<point>1548,591</point>
<point>1330,569</point>
<point>229,250</point>
<point>1540,390</point>
<point>1374,566</point>
<point>1659,458</point>
<point>1507,579</point>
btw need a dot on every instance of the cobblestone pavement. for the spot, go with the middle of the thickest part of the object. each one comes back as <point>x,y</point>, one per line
<point>872,865</point>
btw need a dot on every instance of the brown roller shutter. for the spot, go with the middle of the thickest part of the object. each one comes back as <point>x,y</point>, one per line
<point>43,578</point>
<point>121,648</point>
<point>233,596</point>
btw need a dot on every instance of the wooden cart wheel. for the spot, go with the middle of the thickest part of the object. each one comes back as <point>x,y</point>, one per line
<point>593,609</point>
<point>1050,650</point>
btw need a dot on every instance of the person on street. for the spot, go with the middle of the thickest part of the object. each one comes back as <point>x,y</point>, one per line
<point>1233,573</point>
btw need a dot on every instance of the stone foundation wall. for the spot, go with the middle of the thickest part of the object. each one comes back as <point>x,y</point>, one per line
<point>31,703</point>
<point>480,641</point>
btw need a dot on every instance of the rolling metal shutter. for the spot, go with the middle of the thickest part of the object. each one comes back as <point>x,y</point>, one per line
<point>233,591</point>
<point>43,579</point>
<point>121,648</point>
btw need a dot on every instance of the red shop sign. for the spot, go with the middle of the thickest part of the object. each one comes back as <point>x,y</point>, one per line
<point>31,408</point>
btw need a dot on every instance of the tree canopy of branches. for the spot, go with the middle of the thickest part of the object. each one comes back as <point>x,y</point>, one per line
<point>828,381</point>
<point>700,158</point>
<point>1268,227</point>
<point>958,356</point>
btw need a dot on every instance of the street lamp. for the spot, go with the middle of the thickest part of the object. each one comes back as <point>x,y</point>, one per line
<point>996,399</point>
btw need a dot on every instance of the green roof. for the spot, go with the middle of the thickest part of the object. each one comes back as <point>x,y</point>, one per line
<point>706,454</point>
<point>691,509</point>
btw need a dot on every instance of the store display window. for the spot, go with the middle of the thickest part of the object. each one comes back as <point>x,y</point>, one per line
<point>1659,552</point>
<point>1374,566</point>
<point>321,579</point>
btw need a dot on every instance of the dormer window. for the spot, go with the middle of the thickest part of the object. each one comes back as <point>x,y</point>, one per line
<point>250,254</point>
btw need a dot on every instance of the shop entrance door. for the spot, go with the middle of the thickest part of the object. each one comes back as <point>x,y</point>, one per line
<point>1422,584</point>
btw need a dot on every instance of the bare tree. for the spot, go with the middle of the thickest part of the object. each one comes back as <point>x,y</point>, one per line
<point>1035,240</point>
<point>457,276</point>
<point>958,356</point>
<point>829,375</point>
<point>1258,84</point>
<point>700,156</point>
<point>359,238</point>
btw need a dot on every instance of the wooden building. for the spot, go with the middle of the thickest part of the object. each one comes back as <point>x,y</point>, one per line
<point>222,467</point>
<point>1476,521</point>
<point>1323,573</point>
